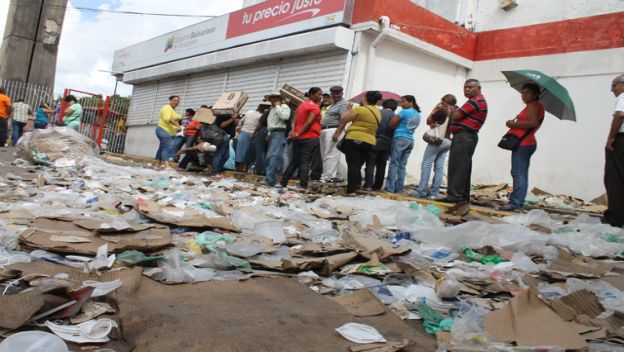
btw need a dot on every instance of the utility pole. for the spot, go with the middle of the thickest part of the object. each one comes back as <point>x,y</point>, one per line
<point>31,38</point>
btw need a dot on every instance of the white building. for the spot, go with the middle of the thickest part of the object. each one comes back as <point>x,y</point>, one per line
<point>325,42</point>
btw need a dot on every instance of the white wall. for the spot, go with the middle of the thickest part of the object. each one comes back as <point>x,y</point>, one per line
<point>142,141</point>
<point>490,16</point>
<point>570,156</point>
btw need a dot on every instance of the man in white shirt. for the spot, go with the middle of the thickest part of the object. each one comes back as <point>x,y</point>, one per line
<point>614,166</point>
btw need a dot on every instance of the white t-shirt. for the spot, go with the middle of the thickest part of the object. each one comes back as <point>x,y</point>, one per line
<point>619,107</point>
<point>207,147</point>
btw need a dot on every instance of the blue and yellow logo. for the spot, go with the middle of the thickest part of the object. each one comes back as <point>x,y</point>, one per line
<point>169,44</point>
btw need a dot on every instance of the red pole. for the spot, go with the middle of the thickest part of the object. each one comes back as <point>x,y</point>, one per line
<point>103,120</point>
<point>98,112</point>
<point>63,106</point>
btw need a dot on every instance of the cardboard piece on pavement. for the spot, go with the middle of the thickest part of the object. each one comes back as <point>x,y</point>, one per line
<point>322,265</point>
<point>528,321</point>
<point>230,103</point>
<point>568,265</point>
<point>182,217</point>
<point>392,346</point>
<point>601,200</point>
<point>204,115</point>
<point>17,309</point>
<point>91,310</point>
<point>104,227</point>
<point>55,235</point>
<point>581,302</point>
<point>368,244</point>
<point>489,191</point>
<point>361,303</point>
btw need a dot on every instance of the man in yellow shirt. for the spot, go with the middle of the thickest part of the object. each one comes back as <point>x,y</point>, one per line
<point>5,113</point>
<point>168,125</point>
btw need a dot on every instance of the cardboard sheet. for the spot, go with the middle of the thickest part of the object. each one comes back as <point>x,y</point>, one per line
<point>322,265</point>
<point>17,309</point>
<point>60,235</point>
<point>528,321</point>
<point>368,245</point>
<point>361,303</point>
<point>188,218</point>
<point>204,115</point>
<point>568,265</point>
<point>581,302</point>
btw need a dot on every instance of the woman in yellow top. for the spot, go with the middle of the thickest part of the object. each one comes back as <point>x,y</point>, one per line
<point>168,125</point>
<point>360,138</point>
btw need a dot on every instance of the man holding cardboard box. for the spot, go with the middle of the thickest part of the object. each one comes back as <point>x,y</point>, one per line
<point>276,127</point>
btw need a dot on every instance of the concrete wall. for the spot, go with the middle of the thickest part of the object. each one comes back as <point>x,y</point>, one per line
<point>490,16</point>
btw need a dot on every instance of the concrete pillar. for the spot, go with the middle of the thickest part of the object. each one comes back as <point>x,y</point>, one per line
<point>31,38</point>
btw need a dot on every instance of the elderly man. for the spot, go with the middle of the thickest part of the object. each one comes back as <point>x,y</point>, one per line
<point>331,119</point>
<point>276,128</point>
<point>466,123</point>
<point>614,166</point>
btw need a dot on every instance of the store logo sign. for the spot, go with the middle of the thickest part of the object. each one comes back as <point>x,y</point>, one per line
<point>275,13</point>
<point>169,44</point>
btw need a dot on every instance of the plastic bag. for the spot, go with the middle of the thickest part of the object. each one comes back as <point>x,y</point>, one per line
<point>246,249</point>
<point>56,143</point>
<point>351,282</point>
<point>412,220</point>
<point>447,288</point>
<point>272,229</point>
<point>433,321</point>
<point>133,257</point>
<point>217,244</point>
<point>360,333</point>
<point>533,217</point>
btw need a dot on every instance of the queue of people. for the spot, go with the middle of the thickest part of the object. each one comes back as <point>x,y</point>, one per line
<point>279,139</point>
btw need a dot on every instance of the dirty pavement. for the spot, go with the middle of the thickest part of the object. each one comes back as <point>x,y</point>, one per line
<point>97,254</point>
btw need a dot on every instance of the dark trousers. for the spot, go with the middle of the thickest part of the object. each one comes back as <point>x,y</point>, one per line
<point>4,130</point>
<point>460,165</point>
<point>260,147</point>
<point>376,169</point>
<point>317,165</point>
<point>614,182</point>
<point>18,131</point>
<point>302,154</point>
<point>356,153</point>
<point>189,157</point>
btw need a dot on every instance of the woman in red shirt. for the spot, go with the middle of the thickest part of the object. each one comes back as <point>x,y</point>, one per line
<point>529,120</point>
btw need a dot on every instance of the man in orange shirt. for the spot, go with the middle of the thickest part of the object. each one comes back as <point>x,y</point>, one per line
<point>5,113</point>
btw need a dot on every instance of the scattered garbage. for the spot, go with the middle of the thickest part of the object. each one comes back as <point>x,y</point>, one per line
<point>78,233</point>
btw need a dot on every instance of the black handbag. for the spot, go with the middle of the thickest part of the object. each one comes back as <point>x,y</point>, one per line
<point>511,141</point>
<point>212,134</point>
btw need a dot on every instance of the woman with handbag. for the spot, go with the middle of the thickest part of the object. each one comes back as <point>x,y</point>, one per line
<point>360,138</point>
<point>438,140</point>
<point>522,136</point>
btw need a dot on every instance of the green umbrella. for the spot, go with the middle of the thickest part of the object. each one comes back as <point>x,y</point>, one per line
<point>555,97</point>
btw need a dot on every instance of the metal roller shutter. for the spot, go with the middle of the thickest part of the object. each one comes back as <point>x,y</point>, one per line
<point>319,70</point>
<point>165,90</point>
<point>142,104</point>
<point>257,81</point>
<point>204,89</point>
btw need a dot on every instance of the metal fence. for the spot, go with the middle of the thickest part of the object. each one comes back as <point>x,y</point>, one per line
<point>33,94</point>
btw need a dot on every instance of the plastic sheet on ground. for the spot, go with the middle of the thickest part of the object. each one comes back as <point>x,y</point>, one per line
<point>56,143</point>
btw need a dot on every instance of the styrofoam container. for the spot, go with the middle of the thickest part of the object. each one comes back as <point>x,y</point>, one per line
<point>33,341</point>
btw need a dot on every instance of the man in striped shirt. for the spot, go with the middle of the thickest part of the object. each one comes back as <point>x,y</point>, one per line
<point>465,126</point>
<point>21,113</point>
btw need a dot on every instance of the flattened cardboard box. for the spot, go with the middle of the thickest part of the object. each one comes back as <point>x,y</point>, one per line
<point>230,103</point>
<point>182,217</point>
<point>204,115</point>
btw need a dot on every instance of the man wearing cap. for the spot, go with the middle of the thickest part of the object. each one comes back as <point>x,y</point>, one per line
<point>330,154</point>
<point>276,127</point>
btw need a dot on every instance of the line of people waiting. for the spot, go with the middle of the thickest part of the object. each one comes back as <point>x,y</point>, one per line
<point>280,140</point>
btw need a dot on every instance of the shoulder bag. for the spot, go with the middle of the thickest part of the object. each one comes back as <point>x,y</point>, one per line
<point>340,144</point>
<point>436,134</point>
<point>511,141</point>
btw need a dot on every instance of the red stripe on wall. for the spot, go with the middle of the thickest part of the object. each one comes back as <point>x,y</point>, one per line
<point>418,22</point>
<point>580,34</point>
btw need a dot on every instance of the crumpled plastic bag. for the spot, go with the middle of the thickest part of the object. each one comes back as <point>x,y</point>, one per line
<point>57,143</point>
<point>217,244</point>
<point>360,333</point>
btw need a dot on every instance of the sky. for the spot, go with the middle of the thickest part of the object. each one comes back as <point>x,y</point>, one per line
<point>89,39</point>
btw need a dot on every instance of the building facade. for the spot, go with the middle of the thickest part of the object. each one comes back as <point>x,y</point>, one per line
<point>419,47</point>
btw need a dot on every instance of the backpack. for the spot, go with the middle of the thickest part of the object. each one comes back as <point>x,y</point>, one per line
<point>212,134</point>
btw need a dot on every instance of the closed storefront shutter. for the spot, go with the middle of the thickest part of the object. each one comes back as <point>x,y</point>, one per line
<point>167,89</point>
<point>318,70</point>
<point>142,104</point>
<point>257,81</point>
<point>204,89</point>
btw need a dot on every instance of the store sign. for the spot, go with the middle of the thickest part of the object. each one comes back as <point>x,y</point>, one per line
<point>271,14</point>
<point>269,19</point>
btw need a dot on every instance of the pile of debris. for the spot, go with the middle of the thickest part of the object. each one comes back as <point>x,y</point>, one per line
<point>98,255</point>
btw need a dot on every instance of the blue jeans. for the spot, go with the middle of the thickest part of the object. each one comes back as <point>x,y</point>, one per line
<point>176,144</point>
<point>520,161</point>
<point>401,150</point>
<point>18,131</point>
<point>275,156</point>
<point>260,146</point>
<point>435,156</point>
<point>221,155</point>
<point>243,148</point>
<point>164,149</point>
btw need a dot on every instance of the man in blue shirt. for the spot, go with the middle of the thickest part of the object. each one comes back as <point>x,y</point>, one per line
<point>403,142</point>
